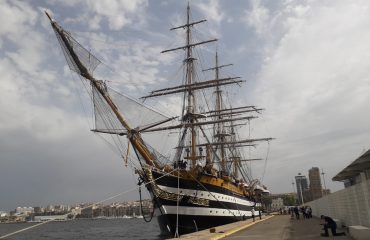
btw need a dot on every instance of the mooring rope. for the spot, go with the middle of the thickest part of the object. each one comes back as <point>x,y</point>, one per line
<point>112,197</point>
<point>24,229</point>
<point>141,207</point>
<point>177,201</point>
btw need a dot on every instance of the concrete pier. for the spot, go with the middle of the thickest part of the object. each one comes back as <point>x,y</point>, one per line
<point>224,230</point>
<point>270,227</point>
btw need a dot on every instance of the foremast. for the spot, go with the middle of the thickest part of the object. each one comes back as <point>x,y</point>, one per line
<point>73,58</point>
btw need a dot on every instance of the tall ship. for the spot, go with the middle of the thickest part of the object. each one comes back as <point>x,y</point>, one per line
<point>205,180</point>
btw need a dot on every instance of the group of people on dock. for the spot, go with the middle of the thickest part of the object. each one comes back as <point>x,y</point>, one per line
<point>306,212</point>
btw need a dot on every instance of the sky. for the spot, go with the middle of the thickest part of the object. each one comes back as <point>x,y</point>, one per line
<point>307,63</point>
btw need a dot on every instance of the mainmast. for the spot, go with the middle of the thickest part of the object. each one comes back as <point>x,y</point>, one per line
<point>190,116</point>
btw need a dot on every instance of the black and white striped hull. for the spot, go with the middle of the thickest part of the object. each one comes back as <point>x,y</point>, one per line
<point>201,206</point>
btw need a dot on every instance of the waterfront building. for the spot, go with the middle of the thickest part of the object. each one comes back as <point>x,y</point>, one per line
<point>3,214</point>
<point>38,210</point>
<point>49,208</point>
<point>277,204</point>
<point>315,183</point>
<point>51,218</point>
<point>76,211</point>
<point>23,210</point>
<point>302,185</point>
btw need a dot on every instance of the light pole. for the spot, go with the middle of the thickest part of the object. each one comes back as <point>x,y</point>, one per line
<point>300,186</point>
<point>323,178</point>
<point>294,192</point>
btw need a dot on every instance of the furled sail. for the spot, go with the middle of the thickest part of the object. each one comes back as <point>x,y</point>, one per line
<point>85,57</point>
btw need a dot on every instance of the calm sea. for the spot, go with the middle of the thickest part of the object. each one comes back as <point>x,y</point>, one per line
<point>87,229</point>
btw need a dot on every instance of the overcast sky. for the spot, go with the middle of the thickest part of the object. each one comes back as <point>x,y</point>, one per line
<point>306,62</point>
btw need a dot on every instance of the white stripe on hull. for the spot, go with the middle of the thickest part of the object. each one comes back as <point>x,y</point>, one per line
<point>204,211</point>
<point>207,195</point>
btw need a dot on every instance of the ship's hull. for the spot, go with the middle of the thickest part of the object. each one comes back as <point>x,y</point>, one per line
<point>190,223</point>
<point>200,205</point>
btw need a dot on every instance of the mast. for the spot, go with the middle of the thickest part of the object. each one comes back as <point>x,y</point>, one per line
<point>189,79</point>
<point>73,58</point>
<point>226,141</point>
<point>219,134</point>
<point>189,117</point>
<point>218,131</point>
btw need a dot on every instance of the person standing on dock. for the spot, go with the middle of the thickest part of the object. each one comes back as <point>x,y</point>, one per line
<point>296,211</point>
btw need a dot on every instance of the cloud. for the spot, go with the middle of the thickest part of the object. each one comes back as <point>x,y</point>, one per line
<point>117,13</point>
<point>258,17</point>
<point>15,14</point>
<point>313,83</point>
<point>210,10</point>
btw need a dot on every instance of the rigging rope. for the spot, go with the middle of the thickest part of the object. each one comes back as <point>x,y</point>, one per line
<point>177,202</point>
<point>141,206</point>
<point>265,166</point>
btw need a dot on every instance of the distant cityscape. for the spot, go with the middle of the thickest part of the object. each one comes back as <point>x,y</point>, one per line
<point>130,209</point>
<point>310,190</point>
<point>304,190</point>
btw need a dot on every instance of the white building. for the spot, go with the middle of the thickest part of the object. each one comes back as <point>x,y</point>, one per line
<point>23,210</point>
<point>277,203</point>
<point>3,214</point>
<point>51,218</point>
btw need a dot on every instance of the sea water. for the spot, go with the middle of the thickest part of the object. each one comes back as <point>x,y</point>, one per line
<point>92,229</point>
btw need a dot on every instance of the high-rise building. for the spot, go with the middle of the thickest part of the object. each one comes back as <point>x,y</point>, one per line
<point>315,183</point>
<point>302,185</point>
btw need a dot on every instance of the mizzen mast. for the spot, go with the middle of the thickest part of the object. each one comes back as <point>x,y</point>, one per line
<point>225,140</point>
<point>218,131</point>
